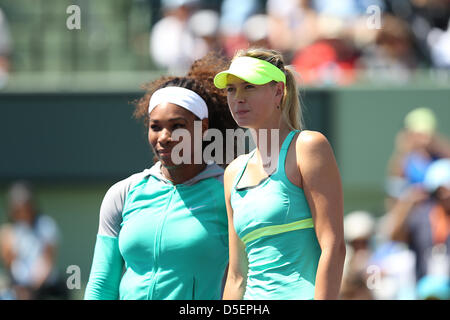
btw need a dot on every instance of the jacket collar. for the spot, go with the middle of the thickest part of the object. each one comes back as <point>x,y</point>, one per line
<point>211,170</point>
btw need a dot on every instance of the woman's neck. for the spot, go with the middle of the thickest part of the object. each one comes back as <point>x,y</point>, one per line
<point>268,143</point>
<point>182,173</point>
<point>270,138</point>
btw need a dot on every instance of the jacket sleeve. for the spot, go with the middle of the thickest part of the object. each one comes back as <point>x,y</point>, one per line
<point>107,263</point>
<point>106,270</point>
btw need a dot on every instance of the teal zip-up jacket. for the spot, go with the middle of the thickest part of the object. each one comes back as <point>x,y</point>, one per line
<point>159,241</point>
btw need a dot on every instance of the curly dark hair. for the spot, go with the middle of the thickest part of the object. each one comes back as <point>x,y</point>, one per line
<point>200,80</point>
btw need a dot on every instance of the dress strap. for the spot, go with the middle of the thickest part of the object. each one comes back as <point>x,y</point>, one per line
<point>239,175</point>
<point>284,150</point>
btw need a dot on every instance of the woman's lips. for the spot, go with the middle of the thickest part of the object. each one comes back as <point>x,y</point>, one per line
<point>242,112</point>
<point>164,152</point>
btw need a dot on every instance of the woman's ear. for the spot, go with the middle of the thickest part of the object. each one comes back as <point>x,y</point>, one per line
<point>280,88</point>
<point>280,91</point>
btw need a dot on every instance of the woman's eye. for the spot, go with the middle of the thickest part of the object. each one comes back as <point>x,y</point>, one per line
<point>249,86</point>
<point>154,127</point>
<point>178,125</point>
<point>230,89</point>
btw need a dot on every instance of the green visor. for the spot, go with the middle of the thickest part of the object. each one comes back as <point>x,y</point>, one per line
<point>252,70</point>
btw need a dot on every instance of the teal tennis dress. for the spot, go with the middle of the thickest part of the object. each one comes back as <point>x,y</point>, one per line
<point>160,241</point>
<point>274,221</point>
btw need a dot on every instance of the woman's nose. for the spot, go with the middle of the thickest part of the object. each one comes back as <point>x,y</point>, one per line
<point>239,96</point>
<point>165,136</point>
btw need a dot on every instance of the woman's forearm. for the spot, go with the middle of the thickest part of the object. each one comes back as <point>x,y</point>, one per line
<point>398,217</point>
<point>106,270</point>
<point>329,272</point>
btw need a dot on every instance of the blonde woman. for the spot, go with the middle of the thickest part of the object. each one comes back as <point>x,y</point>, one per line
<point>285,205</point>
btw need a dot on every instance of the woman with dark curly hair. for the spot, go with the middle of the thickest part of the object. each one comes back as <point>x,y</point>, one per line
<point>167,226</point>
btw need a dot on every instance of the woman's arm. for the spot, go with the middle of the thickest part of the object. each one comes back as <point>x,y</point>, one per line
<point>238,265</point>
<point>106,270</point>
<point>402,147</point>
<point>401,210</point>
<point>107,264</point>
<point>440,145</point>
<point>323,191</point>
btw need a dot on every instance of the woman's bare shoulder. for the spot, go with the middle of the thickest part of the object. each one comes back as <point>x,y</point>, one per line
<point>312,145</point>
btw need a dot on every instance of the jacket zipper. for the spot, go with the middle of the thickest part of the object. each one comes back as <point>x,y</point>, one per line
<point>156,248</point>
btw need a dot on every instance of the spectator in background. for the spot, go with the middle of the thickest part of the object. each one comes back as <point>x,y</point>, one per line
<point>345,9</point>
<point>438,42</point>
<point>292,25</point>
<point>359,227</point>
<point>327,52</point>
<point>256,31</point>
<point>421,218</point>
<point>417,145</point>
<point>433,30</point>
<point>5,49</point>
<point>392,54</point>
<point>234,14</point>
<point>28,245</point>
<point>428,19</point>
<point>331,58</point>
<point>204,24</point>
<point>173,46</point>
<point>394,260</point>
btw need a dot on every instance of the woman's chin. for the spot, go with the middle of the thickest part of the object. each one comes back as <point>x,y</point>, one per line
<point>243,123</point>
<point>166,161</point>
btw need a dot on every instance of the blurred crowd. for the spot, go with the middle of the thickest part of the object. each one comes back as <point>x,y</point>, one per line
<point>327,41</point>
<point>28,249</point>
<point>5,49</point>
<point>405,253</point>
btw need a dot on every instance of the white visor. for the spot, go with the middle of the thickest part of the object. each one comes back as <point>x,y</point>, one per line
<point>182,97</point>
